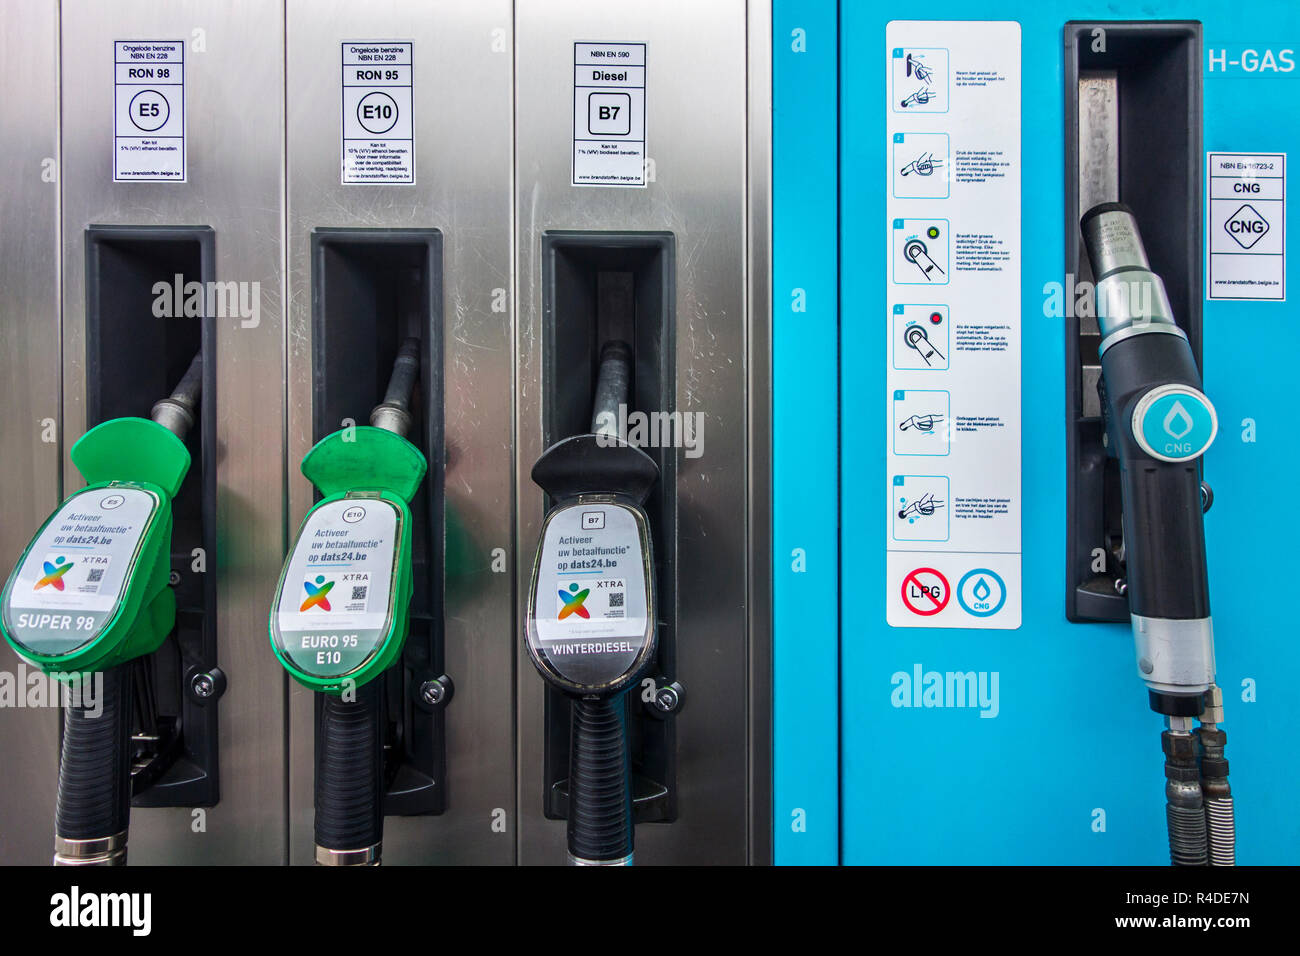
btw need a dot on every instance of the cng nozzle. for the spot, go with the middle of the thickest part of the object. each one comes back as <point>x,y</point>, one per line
<point>1159,423</point>
<point>89,595</point>
<point>339,620</point>
<point>590,625</point>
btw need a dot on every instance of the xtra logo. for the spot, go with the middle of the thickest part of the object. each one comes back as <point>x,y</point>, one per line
<point>317,594</point>
<point>54,573</point>
<point>571,602</point>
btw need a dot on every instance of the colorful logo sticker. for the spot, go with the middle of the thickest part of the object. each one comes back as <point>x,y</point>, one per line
<point>572,601</point>
<point>54,574</point>
<point>317,595</point>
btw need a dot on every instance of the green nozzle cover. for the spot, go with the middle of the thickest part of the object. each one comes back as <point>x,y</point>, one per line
<point>132,449</point>
<point>363,458</point>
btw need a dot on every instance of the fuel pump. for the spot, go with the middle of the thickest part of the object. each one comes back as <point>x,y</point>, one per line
<point>340,613</point>
<point>1158,425</point>
<point>90,595</point>
<point>590,626</point>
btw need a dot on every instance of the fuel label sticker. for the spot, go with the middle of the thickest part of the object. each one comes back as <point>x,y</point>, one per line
<point>609,114</point>
<point>951,486</point>
<point>378,118</point>
<point>75,572</point>
<point>1246,226</point>
<point>149,111</point>
<point>335,603</point>
<point>592,597</point>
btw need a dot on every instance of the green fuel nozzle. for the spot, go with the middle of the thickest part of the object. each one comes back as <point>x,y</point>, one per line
<point>340,616</point>
<point>90,594</point>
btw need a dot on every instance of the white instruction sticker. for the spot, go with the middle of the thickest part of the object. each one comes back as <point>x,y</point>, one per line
<point>335,603</point>
<point>952,481</point>
<point>378,127</point>
<point>609,114</point>
<point>69,586</point>
<point>149,111</point>
<point>1246,226</point>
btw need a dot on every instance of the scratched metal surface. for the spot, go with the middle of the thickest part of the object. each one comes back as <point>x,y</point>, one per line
<point>697,135</point>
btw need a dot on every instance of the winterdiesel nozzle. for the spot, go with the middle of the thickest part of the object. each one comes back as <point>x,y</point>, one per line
<point>600,634</point>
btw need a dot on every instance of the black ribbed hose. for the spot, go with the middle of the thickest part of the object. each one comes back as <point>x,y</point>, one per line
<point>349,765</point>
<point>94,797</point>
<point>600,784</point>
<point>1184,807</point>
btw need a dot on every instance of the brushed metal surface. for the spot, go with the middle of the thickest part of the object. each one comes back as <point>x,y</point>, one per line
<point>234,84</point>
<point>759,239</point>
<point>697,135</point>
<point>462,73</point>
<point>29,388</point>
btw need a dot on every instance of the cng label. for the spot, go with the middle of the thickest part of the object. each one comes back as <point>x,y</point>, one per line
<point>1174,423</point>
<point>925,591</point>
<point>981,592</point>
<point>1246,225</point>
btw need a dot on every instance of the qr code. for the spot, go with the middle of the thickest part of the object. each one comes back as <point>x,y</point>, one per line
<point>359,592</point>
<point>95,576</point>
<point>615,598</point>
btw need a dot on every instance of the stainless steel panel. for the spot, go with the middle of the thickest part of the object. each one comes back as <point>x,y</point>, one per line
<point>462,71</point>
<point>29,387</point>
<point>234,83</point>
<point>698,136</point>
<point>759,238</point>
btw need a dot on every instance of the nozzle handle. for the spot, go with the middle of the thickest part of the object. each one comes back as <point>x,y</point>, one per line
<point>93,807</point>
<point>600,783</point>
<point>349,770</point>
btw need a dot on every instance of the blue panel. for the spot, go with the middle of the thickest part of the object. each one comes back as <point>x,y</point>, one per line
<point>1073,734</point>
<point>805,429</point>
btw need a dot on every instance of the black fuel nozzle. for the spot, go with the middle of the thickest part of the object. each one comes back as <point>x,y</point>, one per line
<point>591,624</point>
<point>1159,423</point>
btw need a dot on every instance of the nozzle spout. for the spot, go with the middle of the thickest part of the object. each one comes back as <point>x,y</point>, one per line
<point>612,385</point>
<point>176,412</point>
<point>394,412</point>
<point>1130,297</point>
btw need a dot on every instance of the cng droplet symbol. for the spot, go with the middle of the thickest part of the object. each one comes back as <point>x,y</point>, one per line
<point>982,590</point>
<point>1177,422</point>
